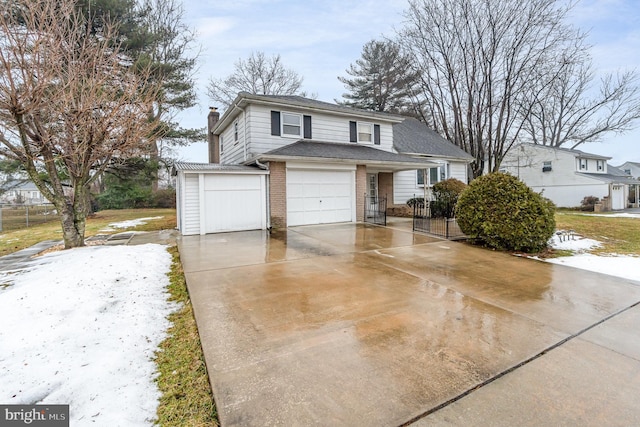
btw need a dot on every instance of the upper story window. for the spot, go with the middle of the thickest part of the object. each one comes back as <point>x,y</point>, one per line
<point>627,171</point>
<point>600,165</point>
<point>291,124</point>
<point>221,144</point>
<point>235,132</point>
<point>364,133</point>
<point>546,166</point>
<point>583,164</point>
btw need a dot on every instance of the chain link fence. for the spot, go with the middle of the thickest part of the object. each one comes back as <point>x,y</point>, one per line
<point>17,217</point>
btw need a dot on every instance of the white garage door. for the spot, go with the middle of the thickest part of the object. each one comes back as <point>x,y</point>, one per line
<point>319,196</point>
<point>234,202</point>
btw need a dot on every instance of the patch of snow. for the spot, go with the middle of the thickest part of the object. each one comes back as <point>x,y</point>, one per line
<point>624,266</point>
<point>616,215</point>
<point>131,222</point>
<point>81,327</point>
<point>574,243</point>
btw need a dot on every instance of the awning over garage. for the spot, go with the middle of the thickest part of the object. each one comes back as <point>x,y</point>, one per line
<point>351,154</point>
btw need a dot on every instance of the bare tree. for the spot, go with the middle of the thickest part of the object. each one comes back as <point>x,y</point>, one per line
<point>258,74</point>
<point>568,110</point>
<point>476,59</point>
<point>70,104</point>
<point>381,80</point>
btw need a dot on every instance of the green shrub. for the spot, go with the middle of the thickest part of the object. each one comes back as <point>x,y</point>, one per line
<point>588,203</point>
<point>503,213</point>
<point>445,194</point>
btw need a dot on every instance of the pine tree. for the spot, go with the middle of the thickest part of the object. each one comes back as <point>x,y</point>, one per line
<point>381,80</point>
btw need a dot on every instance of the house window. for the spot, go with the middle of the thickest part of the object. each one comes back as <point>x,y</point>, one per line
<point>235,132</point>
<point>221,144</point>
<point>627,171</point>
<point>291,124</point>
<point>365,133</point>
<point>434,175</point>
<point>583,164</point>
<point>546,166</point>
<point>600,165</point>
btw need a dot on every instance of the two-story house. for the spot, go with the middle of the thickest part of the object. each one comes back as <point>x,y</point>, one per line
<point>566,176</point>
<point>278,161</point>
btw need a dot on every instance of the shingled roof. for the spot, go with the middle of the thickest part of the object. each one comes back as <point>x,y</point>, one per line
<point>414,137</point>
<point>350,153</point>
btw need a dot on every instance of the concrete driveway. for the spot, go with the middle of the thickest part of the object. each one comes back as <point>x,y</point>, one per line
<point>360,325</point>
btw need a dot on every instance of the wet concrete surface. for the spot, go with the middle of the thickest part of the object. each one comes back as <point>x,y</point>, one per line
<point>354,324</point>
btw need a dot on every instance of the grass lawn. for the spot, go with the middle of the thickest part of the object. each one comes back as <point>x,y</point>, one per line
<point>12,241</point>
<point>618,235</point>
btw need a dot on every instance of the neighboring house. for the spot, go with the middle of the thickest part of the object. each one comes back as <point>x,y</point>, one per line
<point>278,161</point>
<point>23,193</point>
<point>631,168</point>
<point>567,176</point>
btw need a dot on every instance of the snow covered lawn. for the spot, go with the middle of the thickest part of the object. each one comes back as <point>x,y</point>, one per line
<point>129,223</point>
<point>624,266</point>
<point>81,326</point>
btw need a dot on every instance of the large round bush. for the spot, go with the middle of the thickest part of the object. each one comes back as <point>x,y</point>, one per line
<point>502,212</point>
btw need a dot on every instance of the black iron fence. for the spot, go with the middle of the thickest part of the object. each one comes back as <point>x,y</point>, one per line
<point>375,210</point>
<point>427,218</point>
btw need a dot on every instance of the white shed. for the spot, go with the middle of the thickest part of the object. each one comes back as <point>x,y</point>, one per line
<point>214,198</point>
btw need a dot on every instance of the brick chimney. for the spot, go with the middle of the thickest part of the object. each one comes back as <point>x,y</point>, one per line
<point>213,140</point>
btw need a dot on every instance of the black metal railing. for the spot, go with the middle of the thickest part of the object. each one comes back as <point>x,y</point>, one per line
<point>427,220</point>
<point>375,210</point>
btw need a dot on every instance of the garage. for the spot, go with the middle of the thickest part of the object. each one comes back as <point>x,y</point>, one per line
<point>214,198</point>
<point>320,196</point>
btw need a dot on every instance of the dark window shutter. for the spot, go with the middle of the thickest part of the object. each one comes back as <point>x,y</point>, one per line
<point>353,132</point>
<point>376,134</point>
<point>275,123</point>
<point>307,127</point>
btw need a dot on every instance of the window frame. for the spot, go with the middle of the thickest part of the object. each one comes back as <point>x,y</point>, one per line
<point>371,133</point>
<point>282,125</point>
<point>440,174</point>
<point>547,166</point>
<point>221,139</point>
<point>236,137</point>
<point>586,164</point>
<point>600,165</point>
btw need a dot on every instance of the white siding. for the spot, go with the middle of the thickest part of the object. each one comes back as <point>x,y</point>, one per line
<point>325,127</point>
<point>405,185</point>
<point>191,214</point>
<point>234,151</point>
<point>569,196</point>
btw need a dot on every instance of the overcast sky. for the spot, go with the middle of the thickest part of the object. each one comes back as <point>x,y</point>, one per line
<point>320,38</point>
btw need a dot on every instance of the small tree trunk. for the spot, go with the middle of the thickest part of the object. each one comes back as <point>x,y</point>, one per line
<point>73,216</point>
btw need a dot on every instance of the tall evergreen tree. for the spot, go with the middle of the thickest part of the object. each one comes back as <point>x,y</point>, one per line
<point>381,80</point>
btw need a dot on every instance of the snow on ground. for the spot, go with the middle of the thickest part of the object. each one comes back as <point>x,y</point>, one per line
<point>81,326</point>
<point>129,223</point>
<point>624,266</point>
<point>616,215</point>
<point>573,243</point>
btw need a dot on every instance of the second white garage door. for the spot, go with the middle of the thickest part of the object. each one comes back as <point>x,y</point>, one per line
<point>320,196</point>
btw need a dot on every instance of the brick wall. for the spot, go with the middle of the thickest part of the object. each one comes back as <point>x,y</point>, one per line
<point>361,189</point>
<point>278,194</point>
